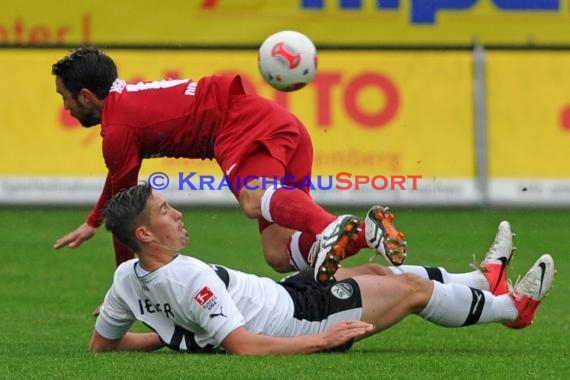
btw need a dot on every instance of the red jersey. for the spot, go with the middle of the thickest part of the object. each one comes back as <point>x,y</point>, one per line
<point>169,118</point>
<point>211,118</point>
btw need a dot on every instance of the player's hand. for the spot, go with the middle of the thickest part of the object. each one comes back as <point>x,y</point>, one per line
<point>342,332</point>
<point>75,238</point>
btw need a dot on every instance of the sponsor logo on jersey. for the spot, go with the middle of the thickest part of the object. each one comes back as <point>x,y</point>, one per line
<point>206,298</point>
<point>203,296</point>
<point>342,291</point>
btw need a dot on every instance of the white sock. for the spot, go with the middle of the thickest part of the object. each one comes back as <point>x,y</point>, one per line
<point>296,259</point>
<point>475,279</point>
<point>266,201</point>
<point>455,305</point>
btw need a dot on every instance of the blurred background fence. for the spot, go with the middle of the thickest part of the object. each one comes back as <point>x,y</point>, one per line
<point>471,96</point>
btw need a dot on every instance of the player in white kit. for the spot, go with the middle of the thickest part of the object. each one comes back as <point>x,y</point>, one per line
<point>193,306</point>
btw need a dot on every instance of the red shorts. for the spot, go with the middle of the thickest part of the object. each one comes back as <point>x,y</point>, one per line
<point>262,139</point>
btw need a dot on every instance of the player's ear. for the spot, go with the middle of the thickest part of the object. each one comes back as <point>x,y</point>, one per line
<point>87,97</point>
<point>143,234</point>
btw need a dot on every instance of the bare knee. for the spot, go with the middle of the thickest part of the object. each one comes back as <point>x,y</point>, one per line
<point>275,242</point>
<point>418,289</point>
<point>277,260</point>
<point>371,268</point>
<point>377,269</point>
<point>276,255</point>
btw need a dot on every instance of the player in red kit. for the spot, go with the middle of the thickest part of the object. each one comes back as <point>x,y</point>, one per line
<point>249,137</point>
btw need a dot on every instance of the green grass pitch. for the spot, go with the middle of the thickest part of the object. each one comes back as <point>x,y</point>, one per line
<point>47,297</point>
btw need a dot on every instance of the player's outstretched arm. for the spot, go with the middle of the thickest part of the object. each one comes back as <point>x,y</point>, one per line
<point>241,342</point>
<point>76,237</point>
<point>129,342</point>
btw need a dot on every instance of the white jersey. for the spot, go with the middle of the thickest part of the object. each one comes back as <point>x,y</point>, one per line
<point>193,305</point>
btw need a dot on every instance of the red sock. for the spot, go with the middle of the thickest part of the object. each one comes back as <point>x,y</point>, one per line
<point>357,244</point>
<point>299,252</point>
<point>295,209</point>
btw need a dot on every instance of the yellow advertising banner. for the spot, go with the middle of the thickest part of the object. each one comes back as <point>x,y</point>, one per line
<point>368,113</point>
<point>248,22</point>
<point>528,114</point>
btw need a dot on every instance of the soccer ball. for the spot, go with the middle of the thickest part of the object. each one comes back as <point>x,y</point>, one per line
<point>287,60</point>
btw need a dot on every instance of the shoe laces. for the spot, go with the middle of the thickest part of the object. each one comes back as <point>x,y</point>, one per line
<point>478,265</point>
<point>510,286</point>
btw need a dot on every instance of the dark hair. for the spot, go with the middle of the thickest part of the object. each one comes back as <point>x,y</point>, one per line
<point>86,67</point>
<point>125,212</point>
